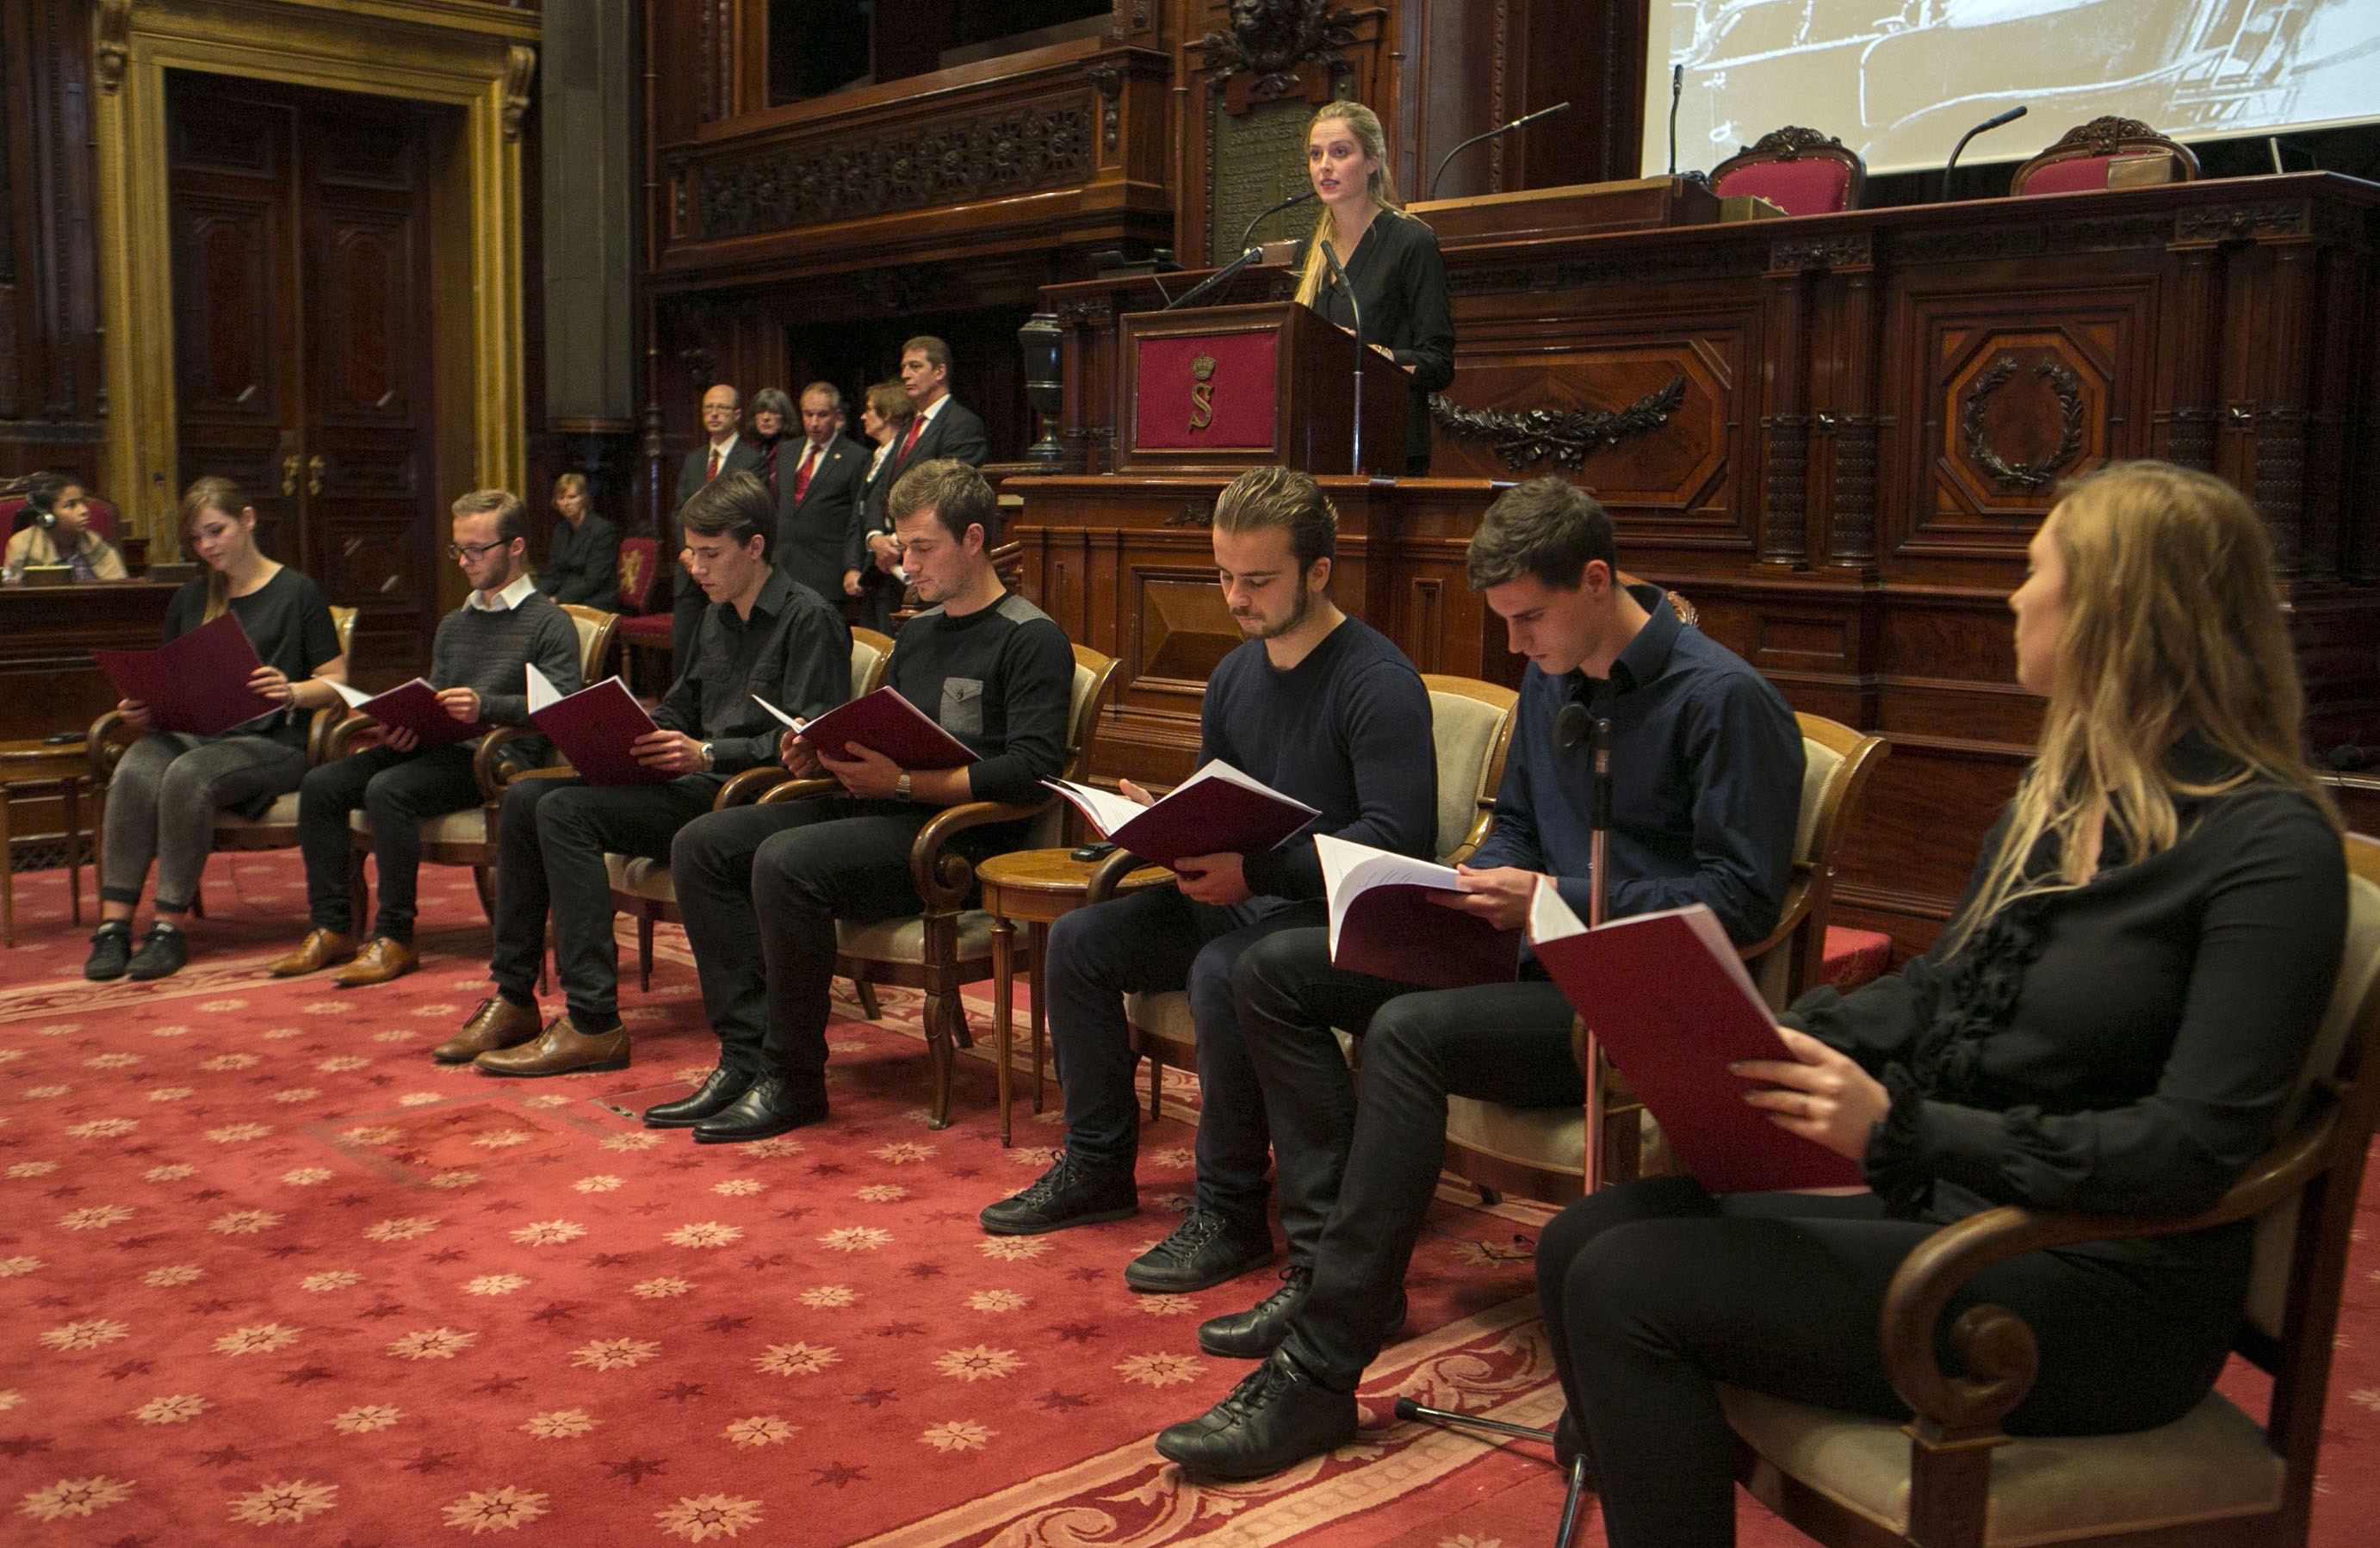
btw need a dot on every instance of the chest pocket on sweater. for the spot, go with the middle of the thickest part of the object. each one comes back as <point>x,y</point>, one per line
<point>962,712</point>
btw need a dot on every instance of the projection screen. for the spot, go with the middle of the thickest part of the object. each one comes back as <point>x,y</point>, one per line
<point>1900,80</point>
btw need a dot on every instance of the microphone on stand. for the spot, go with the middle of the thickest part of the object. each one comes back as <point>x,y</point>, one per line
<point>1676,89</point>
<point>1500,129</point>
<point>2010,117</point>
<point>1355,310</point>
<point>2346,758</point>
<point>1247,255</point>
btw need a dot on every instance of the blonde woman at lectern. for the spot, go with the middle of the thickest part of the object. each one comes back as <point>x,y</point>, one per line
<point>1389,258</point>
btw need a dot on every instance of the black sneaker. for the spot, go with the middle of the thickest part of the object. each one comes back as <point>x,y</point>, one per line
<point>1276,1418</point>
<point>1204,1250</point>
<point>111,950</point>
<point>1067,1194</point>
<point>163,952</point>
<point>1256,1332</point>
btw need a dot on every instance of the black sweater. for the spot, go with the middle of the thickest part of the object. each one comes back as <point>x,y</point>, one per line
<point>1002,680</point>
<point>1399,278</point>
<point>1346,731</point>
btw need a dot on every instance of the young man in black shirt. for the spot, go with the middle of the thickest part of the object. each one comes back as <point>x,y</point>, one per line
<point>759,888</point>
<point>1321,708</point>
<point>475,664</point>
<point>762,634</point>
<point>1706,784</point>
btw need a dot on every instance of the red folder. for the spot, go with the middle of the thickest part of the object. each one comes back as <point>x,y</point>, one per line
<point>1383,923</point>
<point>1670,1002</point>
<point>414,706</point>
<point>1217,810</point>
<point>195,683</point>
<point>886,723</point>
<point>594,727</point>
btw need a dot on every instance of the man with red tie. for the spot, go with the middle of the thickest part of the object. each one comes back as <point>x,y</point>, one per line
<point>818,483</point>
<point>723,450</point>
<point>941,427</point>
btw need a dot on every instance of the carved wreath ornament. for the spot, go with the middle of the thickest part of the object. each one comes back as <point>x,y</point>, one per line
<point>2039,472</point>
<point>1268,38</point>
<point>1560,436</point>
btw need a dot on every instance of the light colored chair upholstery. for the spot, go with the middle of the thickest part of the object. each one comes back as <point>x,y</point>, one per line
<point>2216,1477</point>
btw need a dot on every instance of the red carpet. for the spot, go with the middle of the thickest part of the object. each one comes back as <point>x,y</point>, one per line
<point>271,1275</point>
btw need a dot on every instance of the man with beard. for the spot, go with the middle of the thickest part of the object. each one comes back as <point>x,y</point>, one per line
<point>1321,708</point>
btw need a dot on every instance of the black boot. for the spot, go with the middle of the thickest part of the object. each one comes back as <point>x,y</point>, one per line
<point>1069,1194</point>
<point>163,952</point>
<point>718,1091</point>
<point>111,951</point>
<point>1205,1250</point>
<point>1276,1418</point>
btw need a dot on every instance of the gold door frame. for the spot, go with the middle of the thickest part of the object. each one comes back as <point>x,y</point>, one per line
<point>464,53</point>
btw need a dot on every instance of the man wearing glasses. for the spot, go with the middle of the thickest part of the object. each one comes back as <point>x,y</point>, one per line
<point>475,664</point>
<point>762,634</point>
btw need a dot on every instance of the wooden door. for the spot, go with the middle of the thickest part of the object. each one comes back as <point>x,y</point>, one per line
<point>302,337</point>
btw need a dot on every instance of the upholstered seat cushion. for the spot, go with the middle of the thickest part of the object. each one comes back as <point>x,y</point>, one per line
<point>1811,185</point>
<point>2209,1464</point>
<point>640,877</point>
<point>1548,1139</point>
<point>902,938</point>
<point>1164,1015</point>
<point>282,814</point>
<point>469,826</point>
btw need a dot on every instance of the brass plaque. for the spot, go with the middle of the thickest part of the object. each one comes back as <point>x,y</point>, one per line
<point>1254,159</point>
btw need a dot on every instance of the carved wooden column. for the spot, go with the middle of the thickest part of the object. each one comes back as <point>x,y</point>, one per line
<point>2184,431</point>
<point>2279,371</point>
<point>1850,426</point>
<point>1784,419</point>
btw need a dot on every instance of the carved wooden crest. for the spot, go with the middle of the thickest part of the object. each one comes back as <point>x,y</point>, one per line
<point>1789,143</point>
<point>2039,472</point>
<point>1269,39</point>
<point>2102,136</point>
<point>1555,435</point>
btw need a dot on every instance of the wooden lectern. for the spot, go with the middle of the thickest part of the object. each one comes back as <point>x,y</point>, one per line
<point>1222,389</point>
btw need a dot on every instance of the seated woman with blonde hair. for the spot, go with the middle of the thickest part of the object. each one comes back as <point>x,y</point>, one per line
<point>2112,1023</point>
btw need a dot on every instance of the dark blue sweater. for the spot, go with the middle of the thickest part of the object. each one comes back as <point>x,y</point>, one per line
<point>1705,782</point>
<point>1346,731</point>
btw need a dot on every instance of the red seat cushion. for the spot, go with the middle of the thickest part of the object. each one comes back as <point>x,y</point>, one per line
<point>1855,956</point>
<point>1813,186</point>
<point>650,628</point>
<point>2083,172</point>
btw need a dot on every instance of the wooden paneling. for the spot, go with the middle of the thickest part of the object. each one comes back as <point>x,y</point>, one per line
<point>52,397</point>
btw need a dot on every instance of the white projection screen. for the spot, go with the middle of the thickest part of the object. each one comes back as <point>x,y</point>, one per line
<point>1901,80</point>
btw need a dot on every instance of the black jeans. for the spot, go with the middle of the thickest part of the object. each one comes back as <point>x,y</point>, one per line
<point>551,840</point>
<point>759,889</point>
<point>1654,1290</point>
<point>1147,942</point>
<point>1356,1180</point>
<point>398,791</point>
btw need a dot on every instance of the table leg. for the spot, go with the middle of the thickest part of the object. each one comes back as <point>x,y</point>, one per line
<point>1037,940</point>
<point>1003,985</point>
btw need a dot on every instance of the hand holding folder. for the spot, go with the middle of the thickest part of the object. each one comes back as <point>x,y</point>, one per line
<point>886,724</point>
<point>195,683</point>
<point>1217,810</point>
<point>414,706</point>
<point>1386,920</point>
<point>598,730</point>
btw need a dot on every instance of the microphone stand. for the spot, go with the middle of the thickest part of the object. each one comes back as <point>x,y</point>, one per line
<point>1500,129</point>
<point>1355,309</point>
<point>1220,277</point>
<point>1599,817</point>
<point>2010,117</point>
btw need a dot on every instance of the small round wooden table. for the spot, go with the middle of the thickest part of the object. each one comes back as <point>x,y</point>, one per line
<point>33,769</point>
<point>1033,887</point>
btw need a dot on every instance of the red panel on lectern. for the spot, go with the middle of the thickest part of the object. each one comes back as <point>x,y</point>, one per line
<point>1241,393</point>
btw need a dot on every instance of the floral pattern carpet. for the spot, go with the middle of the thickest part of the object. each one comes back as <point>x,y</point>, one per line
<point>269,1276</point>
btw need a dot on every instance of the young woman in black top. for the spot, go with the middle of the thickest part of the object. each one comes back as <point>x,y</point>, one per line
<point>1389,258</point>
<point>162,798</point>
<point>2111,1022</point>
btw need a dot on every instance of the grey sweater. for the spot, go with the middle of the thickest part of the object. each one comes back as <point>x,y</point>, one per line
<point>485,652</point>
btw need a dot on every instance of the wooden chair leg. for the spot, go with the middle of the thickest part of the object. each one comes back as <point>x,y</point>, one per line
<point>483,879</point>
<point>866,993</point>
<point>1156,1084</point>
<point>644,951</point>
<point>940,1054</point>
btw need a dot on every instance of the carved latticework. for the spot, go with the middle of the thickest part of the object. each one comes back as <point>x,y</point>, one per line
<point>1268,39</point>
<point>1784,538</point>
<point>949,163</point>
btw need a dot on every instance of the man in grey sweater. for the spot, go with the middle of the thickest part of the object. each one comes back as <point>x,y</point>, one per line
<point>475,664</point>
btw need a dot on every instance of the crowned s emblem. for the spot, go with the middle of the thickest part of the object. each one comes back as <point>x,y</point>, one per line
<point>1202,392</point>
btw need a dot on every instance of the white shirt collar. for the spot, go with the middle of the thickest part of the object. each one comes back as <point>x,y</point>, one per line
<point>926,415</point>
<point>723,448</point>
<point>511,597</point>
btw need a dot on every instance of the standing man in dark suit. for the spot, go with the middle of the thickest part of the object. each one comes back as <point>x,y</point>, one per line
<point>723,452</point>
<point>820,482</point>
<point>944,427</point>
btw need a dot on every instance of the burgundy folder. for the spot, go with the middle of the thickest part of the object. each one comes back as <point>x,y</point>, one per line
<point>1383,923</point>
<point>414,706</point>
<point>1217,810</point>
<point>1672,1006</point>
<point>594,727</point>
<point>886,723</point>
<point>195,683</point>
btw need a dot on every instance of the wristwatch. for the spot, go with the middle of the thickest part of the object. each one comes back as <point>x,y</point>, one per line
<point>705,758</point>
<point>901,787</point>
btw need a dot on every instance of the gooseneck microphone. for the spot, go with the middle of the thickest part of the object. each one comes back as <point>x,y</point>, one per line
<point>1355,310</point>
<point>2010,117</point>
<point>1275,209</point>
<point>1247,255</point>
<point>1676,89</point>
<point>1500,129</point>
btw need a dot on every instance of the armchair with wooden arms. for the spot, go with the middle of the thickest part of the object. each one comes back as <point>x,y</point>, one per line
<point>468,837</point>
<point>2216,1478</point>
<point>2110,152</point>
<point>949,944</point>
<point>1799,171</point>
<point>641,889</point>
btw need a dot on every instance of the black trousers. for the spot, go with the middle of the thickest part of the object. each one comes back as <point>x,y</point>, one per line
<point>398,791</point>
<point>759,889</point>
<point>1654,1290</point>
<point>1356,1180</point>
<point>551,839</point>
<point>1147,942</point>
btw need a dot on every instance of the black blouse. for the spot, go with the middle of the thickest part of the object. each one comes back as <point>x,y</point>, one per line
<point>287,622</point>
<point>1399,280</point>
<point>2125,1046</point>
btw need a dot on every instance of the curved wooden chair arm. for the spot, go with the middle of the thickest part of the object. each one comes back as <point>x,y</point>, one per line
<point>800,790</point>
<point>1800,898</point>
<point>1109,874</point>
<point>99,748</point>
<point>1994,1342</point>
<point>488,773</point>
<point>341,739</point>
<point>743,790</point>
<point>944,880</point>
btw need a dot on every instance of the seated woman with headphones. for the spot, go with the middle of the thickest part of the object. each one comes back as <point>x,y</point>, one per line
<point>60,533</point>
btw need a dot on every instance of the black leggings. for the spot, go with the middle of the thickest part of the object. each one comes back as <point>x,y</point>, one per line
<point>1654,1290</point>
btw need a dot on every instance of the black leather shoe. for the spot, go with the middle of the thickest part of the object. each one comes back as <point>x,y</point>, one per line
<point>1277,1417</point>
<point>1256,1332</point>
<point>718,1091</point>
<point>111,951</point>
<point>163,952</point>
<point>770,1105</point>
<point>1067,1194</point>
<point>1203,1252</point>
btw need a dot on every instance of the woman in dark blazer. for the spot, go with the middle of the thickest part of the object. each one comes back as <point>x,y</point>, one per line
<point>582,560</point>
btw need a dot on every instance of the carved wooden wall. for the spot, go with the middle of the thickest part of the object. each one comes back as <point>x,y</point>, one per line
<point>52,394</point>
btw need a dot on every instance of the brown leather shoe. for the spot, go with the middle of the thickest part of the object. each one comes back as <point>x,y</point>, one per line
<point>317,951</point>
<point>380,961</point>
<point>563,1049</point>
<point>497,1023</point>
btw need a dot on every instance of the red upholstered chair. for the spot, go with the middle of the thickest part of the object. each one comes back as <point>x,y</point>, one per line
<point>639,627</point>
<point>2104,152</point>
<point>17,515</point>
<point>1799,171</point>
